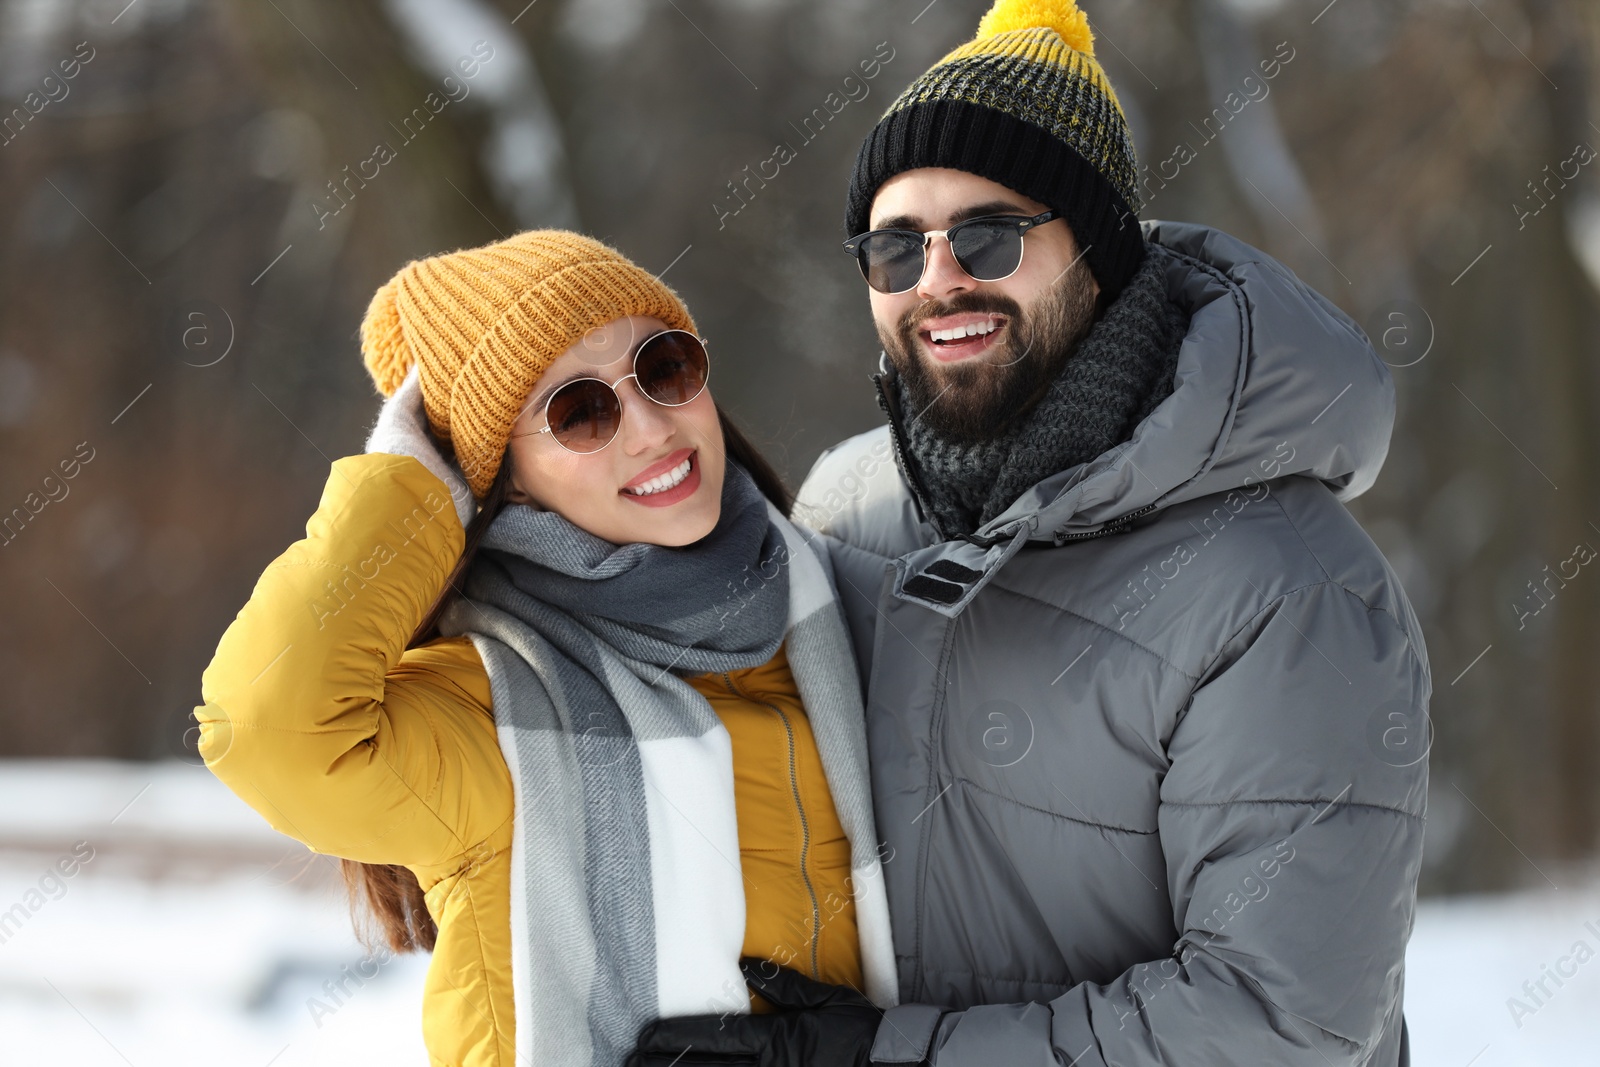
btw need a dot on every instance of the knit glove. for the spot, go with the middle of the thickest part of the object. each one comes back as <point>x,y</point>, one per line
<point>402,430</point>
<point>816,1025</point>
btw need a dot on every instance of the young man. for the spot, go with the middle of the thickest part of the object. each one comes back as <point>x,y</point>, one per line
<point>1146,707</point>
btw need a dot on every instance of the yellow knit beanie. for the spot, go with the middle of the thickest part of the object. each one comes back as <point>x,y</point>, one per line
<point>482,325</point>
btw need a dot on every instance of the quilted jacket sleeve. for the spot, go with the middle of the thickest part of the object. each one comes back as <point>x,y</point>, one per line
<point>317,717</point>
<point>1292,826</point>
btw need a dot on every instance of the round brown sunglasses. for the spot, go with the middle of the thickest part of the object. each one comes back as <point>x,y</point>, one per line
<point>670,368</point>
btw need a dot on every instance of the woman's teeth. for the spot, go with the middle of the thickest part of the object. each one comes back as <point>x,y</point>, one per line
<point>666,481</point>
<point>971,329</point>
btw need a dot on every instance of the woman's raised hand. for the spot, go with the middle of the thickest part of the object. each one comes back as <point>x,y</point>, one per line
<point>402,430</point>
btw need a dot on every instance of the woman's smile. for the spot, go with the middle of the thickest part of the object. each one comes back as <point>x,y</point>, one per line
<point>667,482</point>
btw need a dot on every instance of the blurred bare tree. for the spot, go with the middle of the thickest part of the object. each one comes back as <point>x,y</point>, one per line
<point>196,218</point>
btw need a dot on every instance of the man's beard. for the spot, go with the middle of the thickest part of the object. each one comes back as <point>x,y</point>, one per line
<point>979,398</point>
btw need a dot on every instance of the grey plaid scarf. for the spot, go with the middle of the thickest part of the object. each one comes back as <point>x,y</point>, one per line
<point>627,902</point>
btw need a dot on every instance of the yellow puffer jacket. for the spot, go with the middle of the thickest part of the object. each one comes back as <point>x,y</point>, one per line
<point>319,718</point>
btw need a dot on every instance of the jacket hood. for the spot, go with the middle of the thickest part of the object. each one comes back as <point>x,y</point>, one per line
<point>1272,380</point>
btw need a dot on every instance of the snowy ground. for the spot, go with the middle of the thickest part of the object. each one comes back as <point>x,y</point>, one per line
<point>1466,970</point>
<point>194,935</point>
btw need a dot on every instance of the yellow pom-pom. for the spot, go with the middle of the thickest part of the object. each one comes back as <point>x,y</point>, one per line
<point>383,343</point>
<point>1063,16</point>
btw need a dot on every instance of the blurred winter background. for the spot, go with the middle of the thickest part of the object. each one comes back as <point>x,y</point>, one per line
<point>194,210</point>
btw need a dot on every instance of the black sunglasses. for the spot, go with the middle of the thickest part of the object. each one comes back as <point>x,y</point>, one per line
<point>988,248</point>
<point>584,415</point>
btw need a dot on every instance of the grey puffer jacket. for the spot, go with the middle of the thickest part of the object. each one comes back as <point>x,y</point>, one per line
<point>1148,749</point>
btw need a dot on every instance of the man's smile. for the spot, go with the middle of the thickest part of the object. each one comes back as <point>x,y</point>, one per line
<point>950,338</point>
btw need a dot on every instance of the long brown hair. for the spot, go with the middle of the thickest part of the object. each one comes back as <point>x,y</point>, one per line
<point>392,898</point>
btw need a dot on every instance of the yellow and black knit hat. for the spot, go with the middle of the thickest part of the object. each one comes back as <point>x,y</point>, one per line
<point>1024,104</point>
<point>482,325</point>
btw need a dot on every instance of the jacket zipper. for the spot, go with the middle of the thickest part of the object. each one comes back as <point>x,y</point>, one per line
<point>805,826</point>
<point>1113,526</point>
<point>892,410</point>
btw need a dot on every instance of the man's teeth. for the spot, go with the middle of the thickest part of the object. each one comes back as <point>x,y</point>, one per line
<point>666,481</point>
<point>971,329</point>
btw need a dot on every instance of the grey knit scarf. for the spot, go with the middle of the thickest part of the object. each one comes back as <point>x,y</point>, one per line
<point>675,609</point>
<point>627,901</point>
<point>1115,376</point>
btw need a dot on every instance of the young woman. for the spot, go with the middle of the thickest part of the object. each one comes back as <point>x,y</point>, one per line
<point>554,676</point>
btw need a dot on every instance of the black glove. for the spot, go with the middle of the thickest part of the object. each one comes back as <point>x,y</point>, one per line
<point>816,1025</point>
